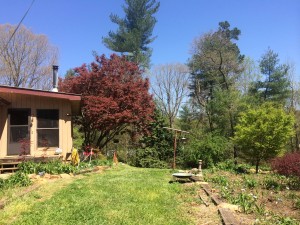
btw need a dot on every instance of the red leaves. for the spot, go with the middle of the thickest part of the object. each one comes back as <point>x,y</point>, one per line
<point>288,165</point>
<point>114,93</point>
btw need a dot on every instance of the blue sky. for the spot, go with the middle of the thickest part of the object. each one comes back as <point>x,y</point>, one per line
<point>76,27</point>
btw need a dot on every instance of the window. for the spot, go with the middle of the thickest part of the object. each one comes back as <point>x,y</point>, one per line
<point>18,124</point>
<point>47,127</point>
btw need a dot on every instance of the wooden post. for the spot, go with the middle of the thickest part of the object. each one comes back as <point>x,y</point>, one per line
<point>175,142</point>
<point>175,146</point>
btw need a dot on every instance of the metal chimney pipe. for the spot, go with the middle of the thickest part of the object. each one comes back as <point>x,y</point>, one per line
<point>55,78</point>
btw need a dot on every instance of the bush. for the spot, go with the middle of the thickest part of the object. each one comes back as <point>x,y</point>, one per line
<point>210,148</point>
<point>2,183</point>
<point>101,162</point>
<point>242,168</point>
<point>148,158</point>
<point>250,182</point>
<point>271,183</point>
<point>52,167</point>
<point>18,179</point>
<point>288,165</point>
<point>153,163</point>
<point>227,165</point>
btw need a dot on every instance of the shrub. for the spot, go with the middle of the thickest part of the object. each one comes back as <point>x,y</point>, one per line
<point>101,162</point>
<point>288,165</point>
<point>221,180</point>
<point>293,183</point>
<point>227,165</point>
<point>297,203</point>
<point>28,167</point>
<point>148,158</point>
<point>271,183</point>
<point>153,163</point>
<point>52,167</point>
<point>2,183</point>
<point>242,168</point>
<point>18,179</point>
<point>250,182</point>
<point>210,148</point>
<point>246,202</point>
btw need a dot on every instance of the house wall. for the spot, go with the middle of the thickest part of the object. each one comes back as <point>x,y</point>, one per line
<point>34,103</point>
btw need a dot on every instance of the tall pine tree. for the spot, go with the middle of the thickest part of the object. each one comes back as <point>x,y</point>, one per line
<point>276,85</point>
<point>135,31</point>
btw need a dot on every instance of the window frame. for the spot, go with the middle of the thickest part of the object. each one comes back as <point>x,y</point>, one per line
<point>47,128</point>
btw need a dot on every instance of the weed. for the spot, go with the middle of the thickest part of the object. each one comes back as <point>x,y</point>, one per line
<point>293,183</point>
<point>2,183</point>
<point>227,165</point>
<point>226,193</point>
<point>271,183</point>
<point>28,167</point>
<point>242,168</point>
<point>250,182</point>
<point>221,180</point>
<point>246,202</point>
<point>18,179</point>
<point>260,208</point>
<point>297,203</point>
<point>52,167</point>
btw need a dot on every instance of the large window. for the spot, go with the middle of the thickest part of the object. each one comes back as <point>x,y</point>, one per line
<point>47,127</point>
<point>18,124</point>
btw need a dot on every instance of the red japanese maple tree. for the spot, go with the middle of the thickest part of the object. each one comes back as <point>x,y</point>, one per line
<point>114,95</point>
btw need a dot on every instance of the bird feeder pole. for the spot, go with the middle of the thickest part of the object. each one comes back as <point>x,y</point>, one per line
<point>175,142</point>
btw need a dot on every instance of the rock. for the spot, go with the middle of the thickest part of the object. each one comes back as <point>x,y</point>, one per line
<point>194,171</point>
<point>65,176</point>
<point>197,177</point>
<point>47,176</point>
<point>5,175</point>
<point>32,176</point>
<point>265,172</point>
<point>202,182</point>
<point>232,207</point>
<point>55,176</point>
<point>252,170</point>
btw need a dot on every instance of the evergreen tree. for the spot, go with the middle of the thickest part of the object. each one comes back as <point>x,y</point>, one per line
<point>275,86</point>
<point>216,65</point>
<point>135,31</point>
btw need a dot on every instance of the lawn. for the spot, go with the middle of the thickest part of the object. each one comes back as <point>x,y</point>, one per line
<point>121,195</point>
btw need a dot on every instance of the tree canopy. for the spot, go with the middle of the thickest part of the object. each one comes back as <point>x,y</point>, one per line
<point>170,88</point>
<point>276,85</point>
<point>215,65</point>
<point>263,132</point>
<point>134,33</point>
<point>114,96</point>
<point>26,60</point>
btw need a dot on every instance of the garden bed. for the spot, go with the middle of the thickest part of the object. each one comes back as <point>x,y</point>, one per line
<point>270,198</point>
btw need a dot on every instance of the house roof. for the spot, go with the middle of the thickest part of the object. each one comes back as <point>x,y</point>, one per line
<point>75,99</point>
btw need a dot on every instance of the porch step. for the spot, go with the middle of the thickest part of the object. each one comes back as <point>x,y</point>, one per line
<point>8,166</point>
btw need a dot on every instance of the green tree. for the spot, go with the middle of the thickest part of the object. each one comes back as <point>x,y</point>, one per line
<point>157,145</point>
<point>216,65</point>
<point>262,133</point>
<point>135,31</point>
<point>209,147</point>
<point>276,85</point>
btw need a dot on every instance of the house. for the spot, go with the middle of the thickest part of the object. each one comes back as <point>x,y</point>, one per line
<point>42,120</point>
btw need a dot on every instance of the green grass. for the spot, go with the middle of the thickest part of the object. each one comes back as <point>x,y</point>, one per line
<point>123,195</point>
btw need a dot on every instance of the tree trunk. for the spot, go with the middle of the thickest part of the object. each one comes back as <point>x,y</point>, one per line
<point>256,166</point>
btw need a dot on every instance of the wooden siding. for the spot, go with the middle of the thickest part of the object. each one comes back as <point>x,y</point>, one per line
<point>34,103</point>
